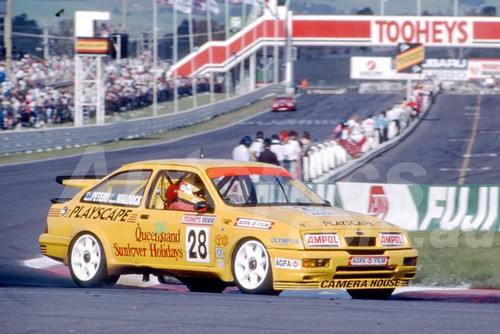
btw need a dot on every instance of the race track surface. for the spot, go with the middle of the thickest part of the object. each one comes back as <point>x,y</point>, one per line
<point>37,300</point>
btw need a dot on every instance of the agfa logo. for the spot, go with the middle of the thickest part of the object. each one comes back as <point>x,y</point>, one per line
<point>379,205</point>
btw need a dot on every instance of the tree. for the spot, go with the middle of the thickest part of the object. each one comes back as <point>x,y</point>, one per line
<point>489,11</point>
<point>26,44</point>
<point>365,11</point>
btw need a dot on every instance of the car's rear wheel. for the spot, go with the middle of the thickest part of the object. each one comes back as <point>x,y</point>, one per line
<point>251,267</point>
<point>370,293</point>
<point>204,284</point>
<point>87,263</point>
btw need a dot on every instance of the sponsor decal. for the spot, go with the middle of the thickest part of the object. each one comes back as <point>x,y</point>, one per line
<point>221,240</point>
<point>322,240</point>
<point>198,220</point>
<point>285,241</point>
<point>363,283</point>
<point>379,205</point>
<point>107,198</point>
<point>378,261</point>
<point>315,211</point>
<point>253,223</point>
<point>219,253</point>
<point>101,213</point>
<point>157,236</point>
<point>220,263</point>
<point>391,239</point>
<point>281,263</point>
<point>155,250</point>
<point>198,244</point>
<point>444,64</point>
<point>348,223</point>
<point>415,30</point>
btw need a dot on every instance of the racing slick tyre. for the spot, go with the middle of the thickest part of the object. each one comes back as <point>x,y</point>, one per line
<point>370,293</point>
<point>251,268</point>
<point>87,263</point>
<point>195,284</point>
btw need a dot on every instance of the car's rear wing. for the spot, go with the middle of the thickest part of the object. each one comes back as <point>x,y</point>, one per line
<point>78,181</point>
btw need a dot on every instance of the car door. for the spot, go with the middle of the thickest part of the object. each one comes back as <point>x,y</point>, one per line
<point>114,207</point>
<point>176,235</point>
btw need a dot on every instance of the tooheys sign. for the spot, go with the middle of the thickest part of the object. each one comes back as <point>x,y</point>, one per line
<point>390,30</point>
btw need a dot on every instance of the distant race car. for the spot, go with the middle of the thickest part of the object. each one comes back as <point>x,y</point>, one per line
<point>284,103</point>
<point>214,223</point>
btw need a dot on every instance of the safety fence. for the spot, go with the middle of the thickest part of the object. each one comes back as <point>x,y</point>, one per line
<point>419,207</point>
<point>43,139</point>
<point>329,158</point>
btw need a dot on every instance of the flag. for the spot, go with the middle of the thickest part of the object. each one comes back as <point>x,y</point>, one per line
<point>182,6</point>
<point>201,5</point>
<point>248,2</point>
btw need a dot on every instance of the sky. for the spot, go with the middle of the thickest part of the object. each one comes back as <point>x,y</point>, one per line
<point>43,11</point>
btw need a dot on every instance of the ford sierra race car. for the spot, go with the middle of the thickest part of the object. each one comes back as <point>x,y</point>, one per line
<point>214,223</point>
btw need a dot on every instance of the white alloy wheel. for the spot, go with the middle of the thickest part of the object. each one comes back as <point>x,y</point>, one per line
<point>86,259</point>
<point>251,268</point>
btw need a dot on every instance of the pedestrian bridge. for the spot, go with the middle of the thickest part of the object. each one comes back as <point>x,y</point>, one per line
<point>276,28</point>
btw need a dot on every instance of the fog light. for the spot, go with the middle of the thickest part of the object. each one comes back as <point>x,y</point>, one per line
<point>315,263</point>
<point>410,261</point>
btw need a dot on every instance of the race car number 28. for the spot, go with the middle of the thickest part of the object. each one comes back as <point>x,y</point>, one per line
<point>197,244</point>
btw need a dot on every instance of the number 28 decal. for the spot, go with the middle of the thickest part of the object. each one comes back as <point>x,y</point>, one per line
<point>197,244</point>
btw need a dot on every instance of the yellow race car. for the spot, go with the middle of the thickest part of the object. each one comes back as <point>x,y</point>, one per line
<point>214,223</point>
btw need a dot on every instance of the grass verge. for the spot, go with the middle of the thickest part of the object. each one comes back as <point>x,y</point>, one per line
<point>456,258</point>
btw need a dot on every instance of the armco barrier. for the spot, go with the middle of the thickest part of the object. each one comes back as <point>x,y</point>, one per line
<point>415,207</point>
<point>42,139</point>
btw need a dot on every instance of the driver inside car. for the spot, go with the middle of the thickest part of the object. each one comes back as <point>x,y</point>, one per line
<point>189,193</point>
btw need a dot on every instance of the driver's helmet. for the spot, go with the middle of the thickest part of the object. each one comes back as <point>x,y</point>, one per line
<point>191,189</point>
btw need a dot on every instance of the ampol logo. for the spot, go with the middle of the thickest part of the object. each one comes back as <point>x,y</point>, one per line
<point>378,205</point>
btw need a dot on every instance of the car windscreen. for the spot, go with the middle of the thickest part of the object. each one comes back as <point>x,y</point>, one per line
<point>260,186</point>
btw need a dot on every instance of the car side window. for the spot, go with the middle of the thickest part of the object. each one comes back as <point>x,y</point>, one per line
<point>178,190</point>
<point>122,189</point>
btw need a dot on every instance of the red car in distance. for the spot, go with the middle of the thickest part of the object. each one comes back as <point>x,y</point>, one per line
<point>284,103</point>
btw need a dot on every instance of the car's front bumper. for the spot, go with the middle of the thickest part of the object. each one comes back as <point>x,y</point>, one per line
<point>338,273</point>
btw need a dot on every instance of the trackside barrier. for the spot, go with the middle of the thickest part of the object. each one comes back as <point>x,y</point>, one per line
<point>415,207</point>
<point>328,158</point>
<point>43,139</point>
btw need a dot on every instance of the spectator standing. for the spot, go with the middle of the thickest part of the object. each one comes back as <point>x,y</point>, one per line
<point>241,152</point>
<point>278,149</point>
<point>304,84</point>
<point>292,153</point>
<point>305,142</point>
<point>382,126</point>
<point>257,146</point>
<point>267,155</point>
<point>368,126</point>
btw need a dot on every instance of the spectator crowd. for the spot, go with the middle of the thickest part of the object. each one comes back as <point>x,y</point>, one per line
<point>354,135</point>
<point>41,91</point>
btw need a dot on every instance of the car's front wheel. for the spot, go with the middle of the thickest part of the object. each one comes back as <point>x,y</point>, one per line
<point>87,263</point>
<point>251,267</point>
<point>370,293</point>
